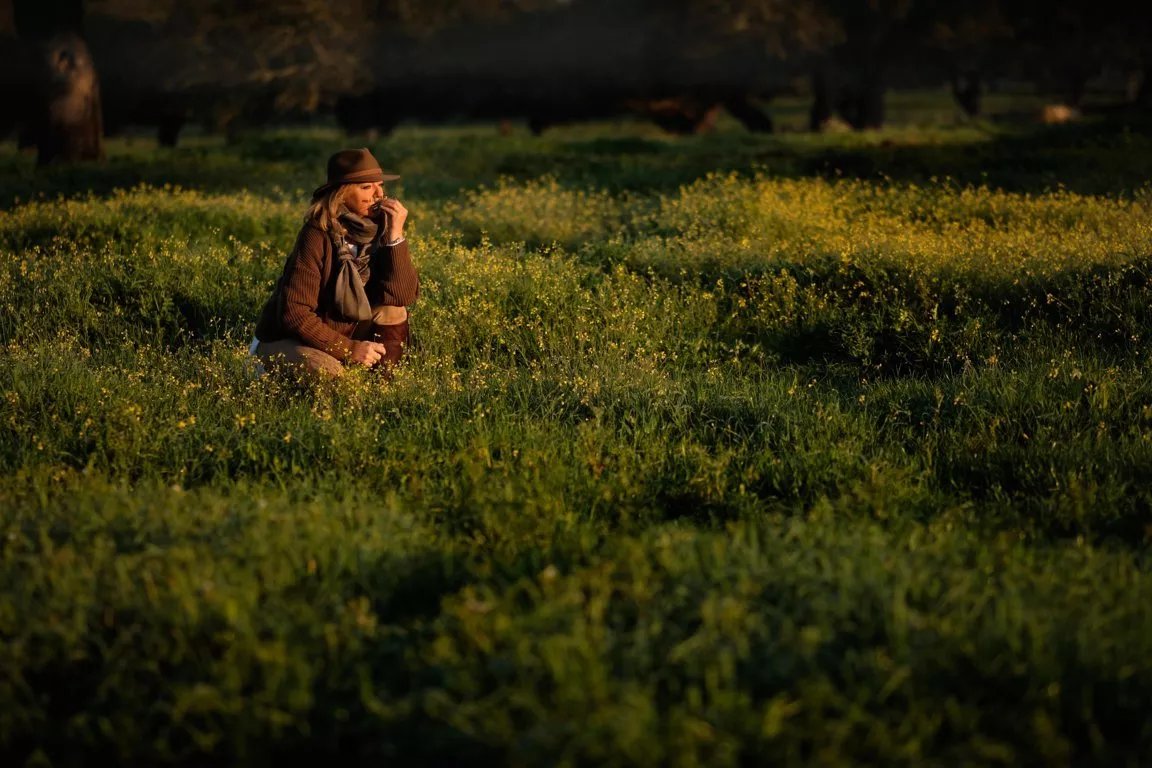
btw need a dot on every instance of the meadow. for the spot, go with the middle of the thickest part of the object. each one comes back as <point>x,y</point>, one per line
<point>718,450</point>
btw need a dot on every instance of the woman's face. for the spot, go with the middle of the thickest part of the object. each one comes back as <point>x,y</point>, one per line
<point>360,197</point>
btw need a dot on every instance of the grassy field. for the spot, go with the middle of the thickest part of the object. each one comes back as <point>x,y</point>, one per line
<point>725,450</point>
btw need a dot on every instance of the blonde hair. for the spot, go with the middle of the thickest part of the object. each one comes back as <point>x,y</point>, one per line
<point>324,211</point>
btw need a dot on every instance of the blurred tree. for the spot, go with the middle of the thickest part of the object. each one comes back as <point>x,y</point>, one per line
<point>880,39</point>
<point>1063,46</point>
<point>1128,43</point>
<point>1142,54</point>
<point>239,62</point>
<point>427,16</point>
<point>13,79</point>
<point>63,112</point>
<point>245,61</point>
<point>740,49</point>
<point>783,28</point>
<point>678,62</point>
<point>875,34</point>
<point>291,55</point>
<point>1056,44</point>
<point>971,40</point>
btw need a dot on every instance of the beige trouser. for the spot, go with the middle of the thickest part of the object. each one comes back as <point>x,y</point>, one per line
<point>292,355</point>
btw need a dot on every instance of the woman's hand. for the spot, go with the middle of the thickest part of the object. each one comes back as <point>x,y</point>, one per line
<point>397,215</point>
<point>366,353</point>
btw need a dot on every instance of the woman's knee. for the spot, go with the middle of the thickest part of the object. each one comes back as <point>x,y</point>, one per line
<point>321,362</point>
<point>388,315</point>
<point>290,355</point>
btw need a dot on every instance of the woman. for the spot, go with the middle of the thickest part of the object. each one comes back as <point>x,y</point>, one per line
<point>342,297</point>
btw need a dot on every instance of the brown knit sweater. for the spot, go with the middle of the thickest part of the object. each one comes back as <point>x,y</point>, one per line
<point>302,304</point>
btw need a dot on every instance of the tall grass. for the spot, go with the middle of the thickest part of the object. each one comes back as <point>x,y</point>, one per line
<point>737,467</point>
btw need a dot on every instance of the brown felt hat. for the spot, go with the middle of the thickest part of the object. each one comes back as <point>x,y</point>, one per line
<point>352,166</point>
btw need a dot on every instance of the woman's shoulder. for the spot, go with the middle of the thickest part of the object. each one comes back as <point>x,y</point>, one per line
<point>312,238</point>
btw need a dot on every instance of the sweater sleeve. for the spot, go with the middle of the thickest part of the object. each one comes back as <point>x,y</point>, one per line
<point>300,315</point>
<point>394,280</point>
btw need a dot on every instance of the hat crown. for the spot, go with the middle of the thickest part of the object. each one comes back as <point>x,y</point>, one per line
<point>353,165</point>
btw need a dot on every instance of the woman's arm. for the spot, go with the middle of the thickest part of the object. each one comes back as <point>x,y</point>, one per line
<point>394,280</point>
<point>303,275</point>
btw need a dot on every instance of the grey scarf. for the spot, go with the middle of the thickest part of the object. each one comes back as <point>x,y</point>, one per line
<point>351,300</point>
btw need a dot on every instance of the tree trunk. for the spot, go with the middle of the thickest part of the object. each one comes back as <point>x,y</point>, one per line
<point>821,111</point>
<point>168,132</point>
<point>67,124</point>
<point>865,55</point>
<point>65,114</point>
<point>1144,91</point>
<point>862,105</point>
<point>870,99</point>
<point>968,90</point>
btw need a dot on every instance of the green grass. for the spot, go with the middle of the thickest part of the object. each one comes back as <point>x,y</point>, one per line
<point>714,451</point>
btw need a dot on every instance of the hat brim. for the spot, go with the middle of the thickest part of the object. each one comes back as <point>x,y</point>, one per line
<point>323,189</point>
